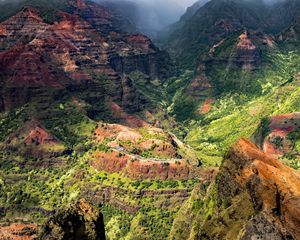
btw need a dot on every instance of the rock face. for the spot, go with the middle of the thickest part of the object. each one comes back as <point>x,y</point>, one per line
<point>142,168</point>
<point>274,190</point>
<point>254,197</point>
<point>85,50</point>
<point>100,17</point>
<point>80,221</point>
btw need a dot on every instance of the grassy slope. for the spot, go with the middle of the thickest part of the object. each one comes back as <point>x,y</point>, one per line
<point>238,115</point>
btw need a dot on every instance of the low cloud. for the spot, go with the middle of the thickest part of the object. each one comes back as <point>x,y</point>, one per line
<point>154,15</point>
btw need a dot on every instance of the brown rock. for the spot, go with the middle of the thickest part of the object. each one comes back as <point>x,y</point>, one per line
<point>273,188</point>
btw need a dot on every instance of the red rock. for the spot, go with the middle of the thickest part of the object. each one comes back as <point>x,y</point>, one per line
<point>29,68</point>
<point>280,126</point>
<point>39,56</point>
<point>133,168</point>
<point>110,162</point>
<point>245,43</point>
<point>205,108</point>
<point>39,136</point>
<point>2,31</point>
<point>140,42</point>
<point>274,188</point>
<point>18,231</point>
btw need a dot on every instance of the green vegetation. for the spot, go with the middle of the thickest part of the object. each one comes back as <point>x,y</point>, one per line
<point>48,9</point>
<point>36,180</point>
<point>236,115</point>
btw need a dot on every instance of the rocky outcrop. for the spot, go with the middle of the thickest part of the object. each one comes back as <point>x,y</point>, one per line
<point>136,167</point>
<point>254,197</point>
<point>242,53</point>
<point>100,17</point>
<point>272,188</point>
<point>37,135</point>
<point>137,141</point>
<point>79,221</point>
<point>145,152</point>
<point>248,56</point>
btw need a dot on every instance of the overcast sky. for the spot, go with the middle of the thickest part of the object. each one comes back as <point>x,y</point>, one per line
<point>182,3</point>
<point>157,14</point>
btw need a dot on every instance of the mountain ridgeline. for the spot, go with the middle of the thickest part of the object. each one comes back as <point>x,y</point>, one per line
<point>105,135</point>
<point>203,27</point>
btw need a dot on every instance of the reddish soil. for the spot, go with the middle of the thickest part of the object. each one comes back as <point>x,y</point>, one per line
<point>280,127</point>
<point>245,43</point>
<point>34,71</point>
<point>133,168</point>
<point>39,56</point>
<point>206,106</point>
<point>122,159</point>
<point>18,231</point>
<point>116,135</point>
<point>269,182</point>
<point>157,170</point>
<point>110,162</point>
<point>33,139</point>
<point>119,132</point>
<point>2,31</point>
<point>33,14</point>
<point>39,136</point>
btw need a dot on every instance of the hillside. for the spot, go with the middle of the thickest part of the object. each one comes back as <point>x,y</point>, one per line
<point>219,19</point>
<point>254,196</point>
<point>78,122</point>
<point>100,128</point>
<point>238,67</point>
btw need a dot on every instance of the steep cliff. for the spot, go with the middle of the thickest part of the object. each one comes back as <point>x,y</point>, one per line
<point>254,197</point>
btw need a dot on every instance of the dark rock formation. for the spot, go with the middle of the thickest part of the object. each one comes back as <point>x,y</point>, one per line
<point>80,221</point>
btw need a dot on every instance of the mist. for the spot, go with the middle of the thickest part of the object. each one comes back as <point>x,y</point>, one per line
<point>151,16</point>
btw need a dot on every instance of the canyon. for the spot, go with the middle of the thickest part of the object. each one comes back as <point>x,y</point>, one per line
<point>105,135</point>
